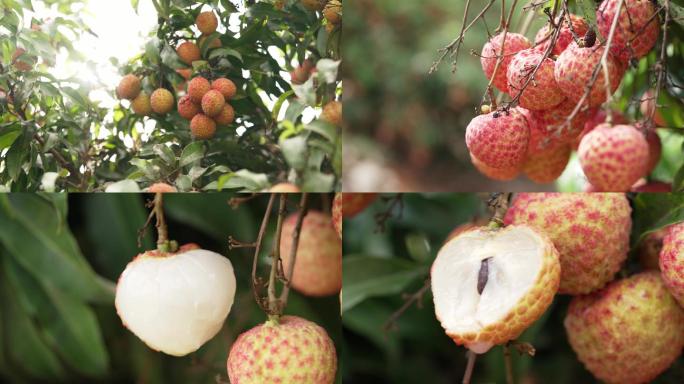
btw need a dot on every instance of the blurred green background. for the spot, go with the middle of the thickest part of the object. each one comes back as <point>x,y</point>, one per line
<point>380,267</point>
<point>405,129</point>
<point>61,256</point>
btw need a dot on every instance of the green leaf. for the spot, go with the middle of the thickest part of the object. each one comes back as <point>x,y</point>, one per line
<point>192,153</point>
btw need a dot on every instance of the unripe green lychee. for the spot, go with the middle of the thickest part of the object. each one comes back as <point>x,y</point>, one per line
<point>318,267</point>
<point>492,51</point>
<point>547,166</point>
<point>227,115</point>
<point>189,52</point>
<point>141,105</point>
<point>187,109</point>
<point>129,87</point>
<point>289,350</point>
<point>672,261</point>
<point>203,127</point>
<point>539,92</point>
<point>162,101</point>
<point>637,29</point>
<point>499,139</point>
<point>213,103</point>
<point>225,86</point>
<point>207,23</point>
<point>332,113</point>
<point>629,332</point>
<point>565,37</point>
<point>590,231</point>
<point>197,88</point>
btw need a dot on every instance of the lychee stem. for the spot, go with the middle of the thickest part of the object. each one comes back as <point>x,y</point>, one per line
<point>163,243</point>
<point>274,306</point>
<point>469,368</point>
<point>303,208</point>
<point>499,203</point>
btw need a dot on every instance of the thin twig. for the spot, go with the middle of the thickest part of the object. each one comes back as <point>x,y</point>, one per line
<point>273,304</point>
<point>416,297</point>
<point>303,210</point>
<point>508,364</point>
<point>257,250</point>
<point>472,356</point>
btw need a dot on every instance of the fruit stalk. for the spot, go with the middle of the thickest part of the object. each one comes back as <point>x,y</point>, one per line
<point>163,243</point>
<point>303,208</point>
<point>273,304</point>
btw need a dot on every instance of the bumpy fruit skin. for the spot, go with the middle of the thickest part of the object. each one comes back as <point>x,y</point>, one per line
<point>498,174</point>
<point>542,92</point>
<point>492,50</point>
<point>590,231</point>
<point>129,87</point>
<point>476,223</point>
<point>189,52</point>
<point>614,158</point>
<point>596,118</point>
<point>355,203</point>
<point>337,212</point>
<point>175,302</point>
<point>333,12</point>
<point>290,350</point>
<point>629,332</point>
<point>187,109</point>
<point>162,101</point>
<point>141,105</point>
<point>225,86</point>
<point>162,188</point>
<point>332,113</point>
<point>672,261</point>
<point>499,142</point>
<point>185,73</point>
<point>207,23</point>
<point>633,37</point>
<point>300,75</point>
<point>203,127</point>
<point>650,247</point>
<point>226,116</point>
<point>547,166</point>
<point>285,188</point>
<point>575,67</point>
<point>213,103</point>
<point>544,126</point>
<point>318,267</point>
<point>543,38</point>
<point>197,88</point>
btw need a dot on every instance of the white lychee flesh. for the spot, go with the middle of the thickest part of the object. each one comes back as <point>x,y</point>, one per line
<point>176,303</point>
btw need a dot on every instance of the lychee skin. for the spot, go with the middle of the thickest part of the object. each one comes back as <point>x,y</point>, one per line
<point>197,88</point>
<point>289,350</point>
<point>590,231</point>
<point>189,52</point>
<point>575,67</point>
<point>596,118</point>
<point>215,43</point>
<point>547,166</point>
<point>491,51</point>
<point>629,332</point>
<point>355,203</point>
<point>337,214</point>
<point>212,103</point>
<point>162,101</point>
<point>650,247</point>
<point>187,109</point>
<point>318,267</point>
<point>565,37</point>
<point>141,105</point>
<point>498,174</point>
<point>633,37</point>
<point>226,87</point>
<point>332,113</point>
<point>545,126</point>
<point>652,187</point>
<point>672,261</point>
<point>207,23</point>
<point>129,87</point>
<point>499,142</point>
<point>285,188</point>
<point>226,117</point>
<point>203,127</point>
<point>162,188</point>
<point>655,150</point>
<point>541,92</point>
<point>614,158</point>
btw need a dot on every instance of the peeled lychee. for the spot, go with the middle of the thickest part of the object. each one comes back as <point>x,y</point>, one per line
<point>332,113</point>
<point>162,101</point>
<point>629,332</point>
<point>498,174</point>
<point>175,302</point>
<point>489,285</point>
<point>207,22</point>
<point>574,70</point>
<point>189,52</point>
<point>188,109</point>
<point>565,37</point>
<point>129,87</point>
<point>477,223</point>
<point>492,51</point>
<point>672,261</point>
<point>225,86</point>
<point>212,103</point>
<point>203,127</point>
<point>547,165</point>
<point>226,116</point>
<point>318,267</point>
<point>288,350</point>
<point>141,105</point>
<point>540,91</point>
<point>197,88</point>
<point>590,231</point>
<point>637,30</point>
<point>499,142</point>
<point>614,158</point>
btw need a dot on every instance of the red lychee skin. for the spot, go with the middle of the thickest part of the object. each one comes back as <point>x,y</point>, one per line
<point>633,37</point>
<point>162,101</point>
<point>189,52</point>
<point>318,267</point>
<point>291,350</point>
<point>197,88</point>
<point>227,115</point>
<point>213,103</point>
<point>614,158</point>
<point>545,126</point>
<point>492,51</point>
<point>672,261</point>
<point>337,218</point>
<point>162,188</point>
<point>207,23</point>
<point>548,165</point>
<point>647,104</point>
<point>499,142</point>
<point>652,187</point>
<point>129,87</point>
<point>355,203</point>
<point>498,174</point>
<point>187,109</point>
<point>541,92</point>
<point>655,150</point>
<point>203,127</point>
<point>596,118</point>
<point>227,88</point>
<point>575,67</point>
<point>543,38</point>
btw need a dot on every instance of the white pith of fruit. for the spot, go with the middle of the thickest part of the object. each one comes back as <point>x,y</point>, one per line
<point>177,303</point>
<point>515,259</point>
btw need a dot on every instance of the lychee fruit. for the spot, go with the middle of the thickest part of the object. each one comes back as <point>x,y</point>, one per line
<point>129,87</point>
<point>337,214</point>
<point>285,188</point>
<point>655,150</point>
<point>175,302</point>
<point>332,113</point>
<point>648,103</point>
<point>285,350</point>
<point>162,188</point>
<point>491,52</point>
<point>590,231</point>
<point>596,118</point>
<point>185,73</point>
<point>498,174</point>
<point>613,158</point>
<point>207,23</point>
<point>203,127</point>
<point>197,88</point>
<point>477,223</point>
<point>499,139</point>
<point>650,247</point>
<point>629,332</point>
<point>574,70</point>
<point>189,52</point>
<point>212,103</point>
<point>355,203</point>
<point>318,267</point>
<point>187,109</point>
<point>333,12</point>
<point>215,43</point>
<point>538,92</point>
<point>652,187</point>
<point>162,101</point>
<point>226,117</point>
<point>547,166</point>
<point>225,86</point>
<point>489,285</point>
<point>300,75</point>
<point>565,37</point>
<point>672,261</point>
<point>548,127</point>
<point>141,105</point>
<point>637,29</point>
